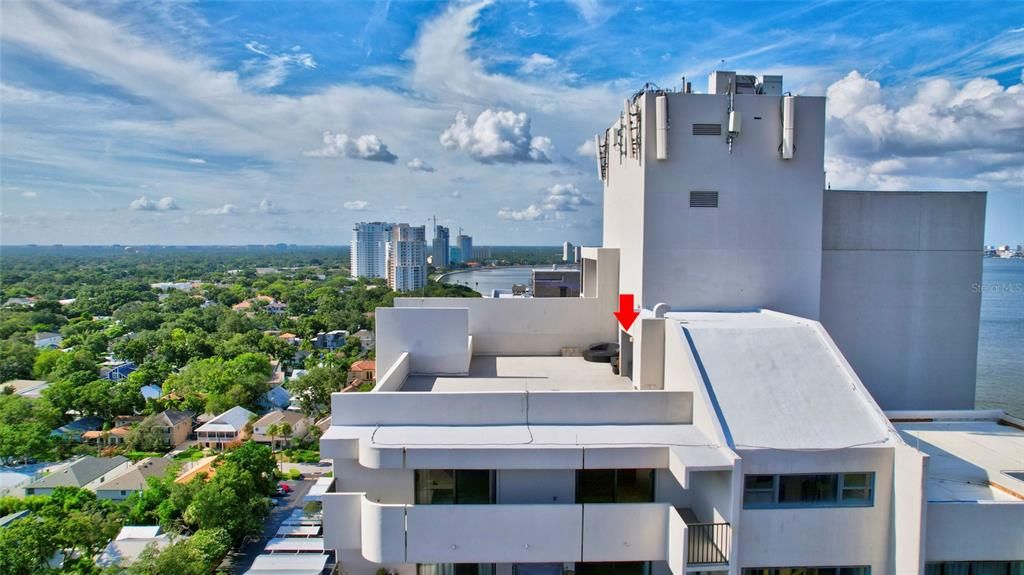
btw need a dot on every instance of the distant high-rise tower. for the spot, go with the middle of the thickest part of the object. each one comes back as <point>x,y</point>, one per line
<point>407,258</point>
<point>441,244</point>
<point>465,244</point>
<point>568,252</point>
<point>369,241</point>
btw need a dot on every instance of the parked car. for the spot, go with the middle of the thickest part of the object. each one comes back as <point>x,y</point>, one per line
<point>284,487</point>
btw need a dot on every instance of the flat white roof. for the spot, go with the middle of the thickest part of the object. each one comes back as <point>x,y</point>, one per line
<point>968,460</point>
<point>524,373</point>
<point>780,383</point>
<point>322,486</point>
<point>294,544</point>
<point>280,564</point>
<point>298,531</point>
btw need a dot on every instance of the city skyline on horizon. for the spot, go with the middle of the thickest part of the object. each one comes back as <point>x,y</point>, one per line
<point>240,123</point>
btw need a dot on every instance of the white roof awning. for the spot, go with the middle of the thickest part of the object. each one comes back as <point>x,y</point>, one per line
<point>322,486</point>
<point>278,564</point>
<point>295,545</point>
<point>298,531</point>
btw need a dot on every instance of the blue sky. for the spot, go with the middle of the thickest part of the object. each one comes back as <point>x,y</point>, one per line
<point>266,122</point>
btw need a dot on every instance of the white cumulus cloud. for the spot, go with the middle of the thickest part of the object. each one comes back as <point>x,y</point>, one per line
<point>225,210</point>
<point>497,136</point>
<point>356,205</point>
<point>531,213</point>
<point>587,148</point>
<point>564,198</point>
<point>943,136</point>
<point>418,165</point>
<point>366,147</point>
<point>145,204</point>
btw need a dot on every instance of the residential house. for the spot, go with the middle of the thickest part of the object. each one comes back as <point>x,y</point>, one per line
<point>299,423</point>
<point>225,428</point>
<point>107,437</point>
<point>331,339</point>
<point>174,426</point>
<point>73,431</point>
<point>277,397</point>
<point>25,387</point>
<point>272,305</point>
<point>117,370</point>
<point>367,339</point>
<point>362,371</point>
<point>79,473</point>
<point>133,479</point>
<point>48,340</point>
<point>129,544</point>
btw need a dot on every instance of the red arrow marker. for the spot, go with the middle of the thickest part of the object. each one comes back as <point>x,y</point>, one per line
<point>626,313</point>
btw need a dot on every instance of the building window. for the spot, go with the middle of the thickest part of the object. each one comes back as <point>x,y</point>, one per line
<point>459,486</point>
<point>614,486</point>
<point>809,490</point>
<point>808,571</point>
<point>455,569</point>
<point>975,568</point>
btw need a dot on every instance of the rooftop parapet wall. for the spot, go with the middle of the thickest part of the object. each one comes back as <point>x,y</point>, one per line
<point>535,326</point>
<point>513,408</point>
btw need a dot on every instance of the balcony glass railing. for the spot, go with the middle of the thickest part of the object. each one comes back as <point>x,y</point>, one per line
<point>708,543</point>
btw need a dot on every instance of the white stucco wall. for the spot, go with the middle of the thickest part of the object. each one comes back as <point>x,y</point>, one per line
<point>975,531</point>
<point>762,246</point>
<point>832,536</point>
<point>901,295</point>
<point>435,337</point>
<point>909,478</point>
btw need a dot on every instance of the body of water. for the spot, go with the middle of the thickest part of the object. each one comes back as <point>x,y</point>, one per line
<point>484,281</point>
<point>1000,341</point>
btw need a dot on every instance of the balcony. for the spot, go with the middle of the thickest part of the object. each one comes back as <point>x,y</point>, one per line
<point>523,533</point>
<point>708,544</point>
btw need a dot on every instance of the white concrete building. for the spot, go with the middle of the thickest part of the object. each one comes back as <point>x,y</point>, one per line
<point>733,435</point>
<point>369,249</point>
<point>407,258</point>
<point>568,252</point>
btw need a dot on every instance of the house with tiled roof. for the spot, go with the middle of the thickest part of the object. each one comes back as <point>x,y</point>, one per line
<point>79,473</point>
<point>107,437</point>
<point>362,371</point>
<point>133,479</point>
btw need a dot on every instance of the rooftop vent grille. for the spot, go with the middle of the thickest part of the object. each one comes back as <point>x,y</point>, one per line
<point>707,129</point>
<point>703,199</point>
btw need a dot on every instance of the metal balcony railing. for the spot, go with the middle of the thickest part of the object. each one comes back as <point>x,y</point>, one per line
<point>708,543</point>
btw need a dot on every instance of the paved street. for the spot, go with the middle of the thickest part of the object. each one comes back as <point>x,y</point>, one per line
<point>286,505</point>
